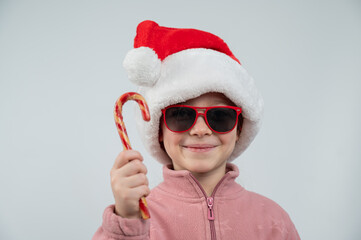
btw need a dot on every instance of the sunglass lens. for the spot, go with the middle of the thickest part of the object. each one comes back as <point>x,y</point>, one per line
<point>179,119</point>
<point>222,119</point>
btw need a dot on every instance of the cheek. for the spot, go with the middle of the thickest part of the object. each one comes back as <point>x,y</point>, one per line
<point>171,145</point>
<point>230,139</point>
<point>169,139</point>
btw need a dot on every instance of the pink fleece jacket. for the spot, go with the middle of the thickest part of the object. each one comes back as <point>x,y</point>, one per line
<point>180,209</point>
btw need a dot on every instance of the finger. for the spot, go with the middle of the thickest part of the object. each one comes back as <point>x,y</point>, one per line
<point>140,191</point>
<point>126,156</point>
<point>136,180</point>
<point>131,168</point>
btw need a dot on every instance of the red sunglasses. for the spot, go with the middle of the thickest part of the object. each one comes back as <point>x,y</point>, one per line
<point>220,119</point>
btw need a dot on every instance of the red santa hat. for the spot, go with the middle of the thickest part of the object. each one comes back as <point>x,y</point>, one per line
<point>173,65</point>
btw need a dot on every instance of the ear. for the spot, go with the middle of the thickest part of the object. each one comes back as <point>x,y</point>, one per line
<point>239,127</point>
<point>160,136</point>
<point>238,134</point>
<point>161,139</point>
<point>160,132</point>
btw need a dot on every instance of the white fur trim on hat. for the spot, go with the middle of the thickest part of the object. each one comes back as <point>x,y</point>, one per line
<point>143,66</point>
<point>190,73</point>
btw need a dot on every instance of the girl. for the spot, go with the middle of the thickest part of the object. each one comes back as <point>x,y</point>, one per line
<point>205,111</point>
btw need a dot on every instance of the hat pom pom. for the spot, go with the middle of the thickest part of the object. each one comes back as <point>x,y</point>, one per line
<point>143,66</point>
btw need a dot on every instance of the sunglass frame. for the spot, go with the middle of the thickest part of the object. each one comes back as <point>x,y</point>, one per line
<point>204,114</point>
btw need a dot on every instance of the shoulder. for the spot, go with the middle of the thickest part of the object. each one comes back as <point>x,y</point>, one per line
<point>264,205</point>
<point>267,214</point>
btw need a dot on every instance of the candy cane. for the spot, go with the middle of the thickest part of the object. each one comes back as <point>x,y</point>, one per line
<point>123,132</point>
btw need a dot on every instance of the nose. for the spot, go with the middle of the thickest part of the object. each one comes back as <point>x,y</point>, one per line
<point>200,128</point>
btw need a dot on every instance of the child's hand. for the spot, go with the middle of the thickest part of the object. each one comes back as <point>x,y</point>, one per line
<point>129,183</point>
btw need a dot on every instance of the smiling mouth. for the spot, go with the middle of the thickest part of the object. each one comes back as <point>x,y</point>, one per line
<point>200,147</point>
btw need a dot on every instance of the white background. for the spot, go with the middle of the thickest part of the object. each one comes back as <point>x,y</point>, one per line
<point>61,73</point>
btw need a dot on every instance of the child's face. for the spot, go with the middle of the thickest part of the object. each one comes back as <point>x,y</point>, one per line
<point>200,150</point>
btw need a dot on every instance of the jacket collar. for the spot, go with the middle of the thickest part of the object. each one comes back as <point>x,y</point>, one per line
<point>181,183</point>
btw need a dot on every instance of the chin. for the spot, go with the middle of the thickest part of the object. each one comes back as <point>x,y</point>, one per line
<point>200,170</point>
<point>201,167</point>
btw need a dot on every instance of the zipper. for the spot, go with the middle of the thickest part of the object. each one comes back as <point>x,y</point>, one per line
<point>210,203</point>
<point>211,217</point>
<point>210,208</point>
